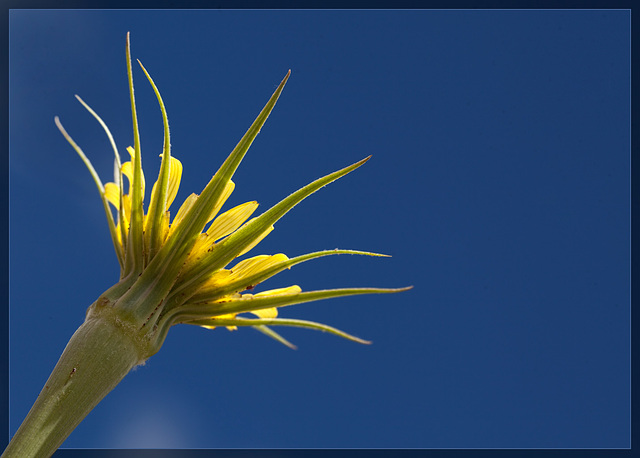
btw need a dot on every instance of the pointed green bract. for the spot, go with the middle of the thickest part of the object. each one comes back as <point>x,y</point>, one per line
<point>99,185</point>
<point>227,306</point>
<point>267,331</point>
<point>118,166</point>
<point>153,234</point>
<point>278,322</point>
<point>106,129</point>
<point>134,252</point>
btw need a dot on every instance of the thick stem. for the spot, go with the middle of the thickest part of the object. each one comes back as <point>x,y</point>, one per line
<point>98,356</point>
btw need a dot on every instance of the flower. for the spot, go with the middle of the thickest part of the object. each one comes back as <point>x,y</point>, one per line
<point>171,272</point>
<point>176,271</point>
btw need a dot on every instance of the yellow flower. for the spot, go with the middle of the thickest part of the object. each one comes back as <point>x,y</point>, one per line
<point>171,272</point>
<point>176,271</point>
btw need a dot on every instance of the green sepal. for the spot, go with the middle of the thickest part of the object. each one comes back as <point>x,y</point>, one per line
<point>277,322</point>
<point>153,224</point>
<point>99,185</point>
<point>274,335</point>
<point>232,305</point>
<point>134,253</point>
<point>118,166</point>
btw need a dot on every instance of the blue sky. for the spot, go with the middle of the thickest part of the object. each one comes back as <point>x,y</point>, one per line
<point>499,183</point>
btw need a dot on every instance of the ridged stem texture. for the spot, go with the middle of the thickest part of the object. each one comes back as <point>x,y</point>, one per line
<point>98,356</point>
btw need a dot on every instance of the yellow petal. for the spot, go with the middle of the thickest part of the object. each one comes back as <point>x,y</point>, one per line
<point>228,189</point>
<point>256,241</point>
<point>294,289</point>
<point>184,208</point>
<point>249,264</point>
<point>112,193</point>
<point>127,170</point>
<point>219,278</point>
<point>175,174</point>
<point>223,225</point>
<point>256,264</point>
<point>118,234</point>
<point>199,249</point>
<point>231,220</point>
<point>165,226</point>
<point>126,208</point>
<point>229,316</point>
<point>266,313</point>
<point>273,311</point>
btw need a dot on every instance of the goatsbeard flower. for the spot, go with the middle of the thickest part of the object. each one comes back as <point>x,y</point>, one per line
<point>172,271</point>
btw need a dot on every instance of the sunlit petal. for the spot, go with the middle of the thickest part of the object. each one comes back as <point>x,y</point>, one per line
<point>175,174</point>
<point>231,220</point>
<point>126,208</point>
<point>216,280</point>
<point>228,189</point>
<point>266,313</point>
<point>182,211</point>
<point>294,289</point>
<point>256,264</point>
<point>257,240</point>
<point>127,170</point>
<point>112,193</point>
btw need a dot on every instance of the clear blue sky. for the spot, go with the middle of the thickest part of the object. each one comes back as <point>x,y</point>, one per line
<point>499,183</point>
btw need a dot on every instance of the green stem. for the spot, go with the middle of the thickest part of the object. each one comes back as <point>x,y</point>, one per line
<point>98,356</point>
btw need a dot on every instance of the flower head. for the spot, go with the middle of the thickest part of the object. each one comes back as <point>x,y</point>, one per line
<point>184,269</point>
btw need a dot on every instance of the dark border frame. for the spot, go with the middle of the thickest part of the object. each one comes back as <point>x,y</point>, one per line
<point>292,4</point>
